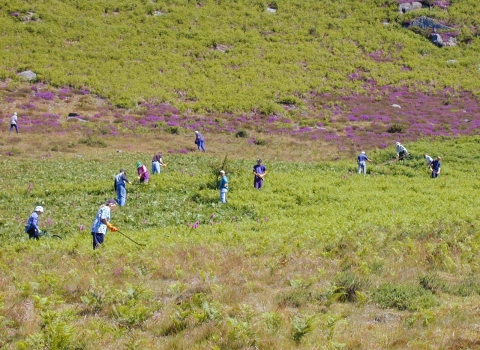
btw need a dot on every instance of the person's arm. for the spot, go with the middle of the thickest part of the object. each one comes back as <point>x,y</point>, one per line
<point>124,177</point>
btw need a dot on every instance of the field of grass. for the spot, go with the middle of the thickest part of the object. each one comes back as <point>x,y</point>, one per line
<point>320,258</point>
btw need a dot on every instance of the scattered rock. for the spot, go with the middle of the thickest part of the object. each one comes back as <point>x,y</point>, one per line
<point>396,106</point>
<point>27,75</point>
<point>77,119</point>
<point>437,39</point>
<point>451,61</point>
<point>409,6</point>
<point>426,22</point>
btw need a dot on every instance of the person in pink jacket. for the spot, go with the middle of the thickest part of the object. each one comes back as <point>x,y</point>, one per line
<point>143,174</point>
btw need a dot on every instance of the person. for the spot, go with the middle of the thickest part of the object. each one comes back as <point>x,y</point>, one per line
<point>121,187</point>
<point>259,172</point>
<point>32,224</point>
<point>223,187</point>
<point>102,222</point>
<point>362,160</point>
<point>157,162</point>
<point>13,122</point>
<point>435,167</point>
<point>401,151</point>
<point>143,174</point>
<point>199,141</point>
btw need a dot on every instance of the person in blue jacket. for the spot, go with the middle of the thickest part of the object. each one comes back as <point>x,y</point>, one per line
<point>121,182</point>
<point>259,173</point>
<point>102,223</point>
<point>362,160</point>
<point>32,224</point>
<point>199,141</point>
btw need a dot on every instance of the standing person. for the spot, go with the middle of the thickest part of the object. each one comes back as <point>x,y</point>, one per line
<point>223,187</point>
<point>157,162</point>
<point>102,222</point>
<point>121,187</point>
<point>32,224</point>
<point>143,174</point>
<point>259,172</point>
<point>435,167</point>
<point>401,151</point>
<point>362,160</point>
<point>13,122</point>
<point>428,159</point>
<point>199,141</point>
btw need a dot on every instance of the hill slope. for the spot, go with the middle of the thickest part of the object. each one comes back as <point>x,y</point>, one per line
<point>228,57</point>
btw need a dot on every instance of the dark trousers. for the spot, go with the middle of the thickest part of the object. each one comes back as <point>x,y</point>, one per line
<point>97,239</point>
<point>14,126</point>
<point>33,234</point>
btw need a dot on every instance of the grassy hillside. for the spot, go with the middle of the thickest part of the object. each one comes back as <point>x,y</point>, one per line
<point>236,56</point>
<point>321,258</point>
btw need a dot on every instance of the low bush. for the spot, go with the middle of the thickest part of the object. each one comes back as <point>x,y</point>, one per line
<point>403,297</point>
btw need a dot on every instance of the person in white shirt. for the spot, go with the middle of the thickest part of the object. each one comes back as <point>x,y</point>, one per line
<point>401,151</point>
<point>13,122</point>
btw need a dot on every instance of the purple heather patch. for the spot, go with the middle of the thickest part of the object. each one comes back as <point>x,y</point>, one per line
<point>45,95</point>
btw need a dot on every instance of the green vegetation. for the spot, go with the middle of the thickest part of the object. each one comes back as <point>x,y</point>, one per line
<point>321,255</point>
<point>233,55</point>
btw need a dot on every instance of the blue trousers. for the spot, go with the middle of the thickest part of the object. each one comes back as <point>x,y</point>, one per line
<point>121,195</point>
<point>223,195</point>
<point>201,145</point>
<point>156,168</point>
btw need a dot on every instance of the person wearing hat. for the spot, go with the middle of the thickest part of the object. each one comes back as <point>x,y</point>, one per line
<point>259,172</point>
<point>157,162</point>
<point>32,224</point>
<point>102,223</point>
<point>142,172</point>
<point>121,187</point>
<point>401,151</point>
<point>199,141</point>
<point>223,187</point>
<point>435,167</point>
<point>13,123</point>
<point>362,160</point>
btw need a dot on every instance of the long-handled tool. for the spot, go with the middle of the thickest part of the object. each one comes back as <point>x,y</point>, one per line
<point>123,234</point>
<point>46,234</point>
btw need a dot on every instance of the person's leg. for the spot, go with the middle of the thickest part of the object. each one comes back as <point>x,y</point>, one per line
<point>223,195</point>
<point>202,145</point>
<point>155,167</point>
<point>16,128</point>
<point>97,239</point>
<point>33,234</point>
<point>121,195</point>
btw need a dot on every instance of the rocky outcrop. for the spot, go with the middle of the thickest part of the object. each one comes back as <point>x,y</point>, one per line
<point>27,75</point>
<point>409,6</point>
